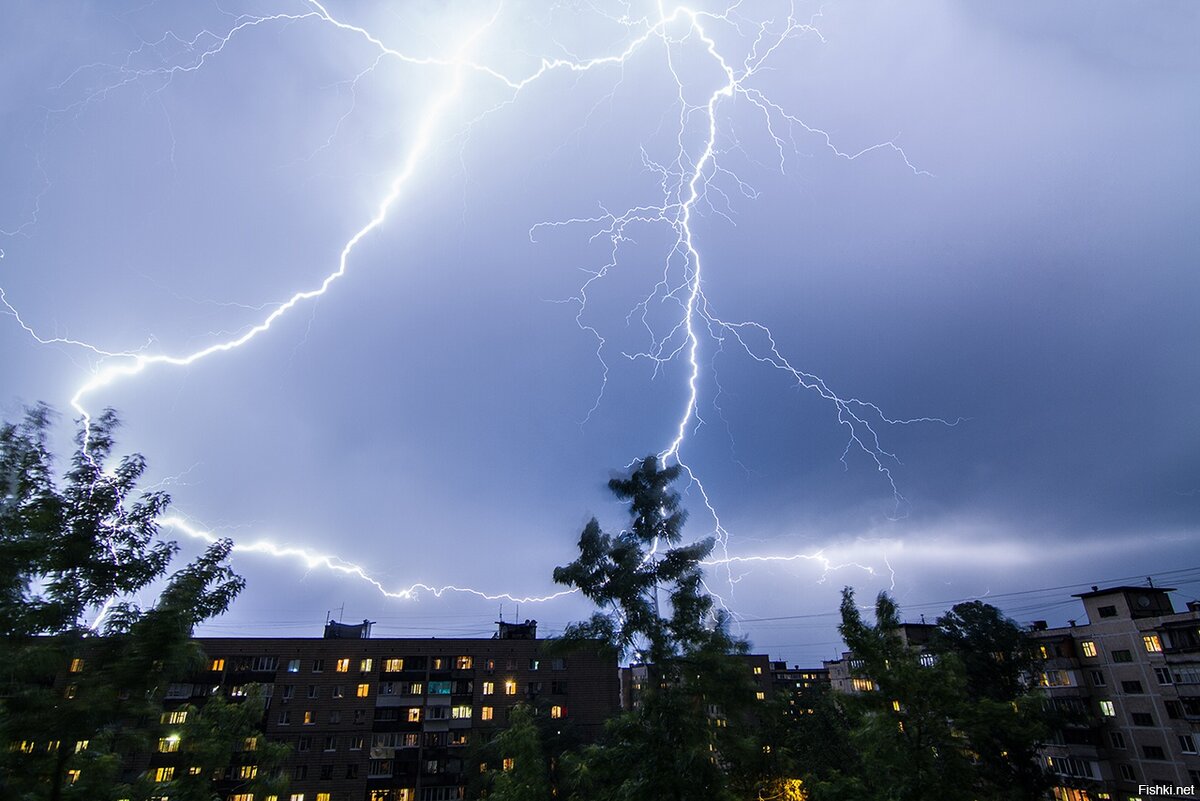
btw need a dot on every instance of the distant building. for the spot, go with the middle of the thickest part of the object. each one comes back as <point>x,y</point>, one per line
<point>391,719</point>
<point>634,677</point>
<point>1129,681</point>
<point>795,683</point>
<point>845,675</point>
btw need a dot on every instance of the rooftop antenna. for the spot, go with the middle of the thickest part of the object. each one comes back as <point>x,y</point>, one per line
<point>1150,581</point>
<point>342,611</point>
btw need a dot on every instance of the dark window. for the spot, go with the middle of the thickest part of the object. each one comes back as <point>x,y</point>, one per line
<point>1126,772</point>
<point>1117,739</point>
<point>1174,710</point>
<point>1132,687</point>
<point>1122,656</point>
<point>1163,675</point>
<point>1153,752</point>
<point>1098,678</point>
<point>1142,719</point>
<point>304,743</point>
<point>330,743</point>
<point>356,742</point>
<point>558,663</point>
<point>300,772</point>
<point>352,771</point>
<point>318,665</point>
<point>558,687</point>
<point>326,772</point>
<point>1107,611</point>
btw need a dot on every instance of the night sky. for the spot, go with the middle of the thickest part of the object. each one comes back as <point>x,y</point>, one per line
<point>978,214</point>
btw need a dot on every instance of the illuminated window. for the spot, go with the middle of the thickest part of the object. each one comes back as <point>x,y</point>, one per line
<point>1088,647</point>
<point>293,666</point>
<point>415,688</point>
<point>176,717</point>
<point>81,745</point>
<point>168,745</point>
<point>393,665</point>
<point>73,776</point>
<point>895,706</point>
<point>463,663</point>
<point>1153,643</point>
<point>195,771</point>
<point>53,745</point>
<point>489,687</point>
<point>760,695</point>
<point>485,713</point>
<point>558,711</point>
<point>247,771</point>
<point>507,764</point>
<point>414,714</point>
<point>322,796</point>
<point>863,685</point>
<point>510,687</point>
<point>26,747</point>
<point>164,774</point>
<point>339,691</point>
<point>1107,709</point>
<point>1043,652</point>
<point>460,712</point>
<point>364,666</point>
<point>296,797</point>
<point>250,744</point>
<point>535,664</point>
<point>216,665</point>
<point>438,663</point>
<point>758,670</point>
<point>76,665</point>
<point>343,665</point>
<point>242,797</point>
<point>364,690</point>
<point>309,718</point>
<point>70,691</point>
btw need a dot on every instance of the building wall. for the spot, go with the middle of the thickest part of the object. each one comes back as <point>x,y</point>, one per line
<point>392,719</point>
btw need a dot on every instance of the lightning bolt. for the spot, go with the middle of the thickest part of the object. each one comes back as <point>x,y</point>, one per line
<point>695,177</point>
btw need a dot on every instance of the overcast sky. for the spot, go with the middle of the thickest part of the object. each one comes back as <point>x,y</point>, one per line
<point>1020,254</point>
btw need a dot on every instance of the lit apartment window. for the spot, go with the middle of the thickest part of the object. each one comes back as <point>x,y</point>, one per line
<point>363,691</point>
<point>216,665</point>
<point>247,771</point>
<point>895,706</point>
<point>463,663</point>
<point>460,712</point>
<point>557,711</point>
<point>293,666</point>
<point>70,692</point>
<point>534,664</point>
<point>343,665</point>
<point>760,695</point>
<point>1153,643</point>
<point>76,665</point>
<point>322,796</point>
<point>250,744</point>
<point>862,685</point>
<point>507,764</point>
<point>296,797</point>
<point>393,665</point>
<point>414,714</point>
<point>73,775</point>
<point>53,746</point>
<point>437,663</point>
<point>485,713</point>
<point>758,670</point>
<point>195,771</point>
<point>81,745</point>
<point>364,665</point>
<point>1107,709</point>
<point>174,718</point>
<point>510,687</point>
<point>168,745</point>
<point>1088,647</point>
<point>164,774</point>
<point>489,688</point>
<point>310,717</point>
<point>242,797</point>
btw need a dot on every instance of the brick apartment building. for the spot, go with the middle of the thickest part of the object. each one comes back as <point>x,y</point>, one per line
<point>392,719</point>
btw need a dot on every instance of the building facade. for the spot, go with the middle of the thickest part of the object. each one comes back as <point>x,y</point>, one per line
<point>393,719</point>
<point>1127,683</point>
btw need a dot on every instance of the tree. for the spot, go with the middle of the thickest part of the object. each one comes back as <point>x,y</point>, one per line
<point>1003,721</point>
<point>75,698</point>
<point>904,727</point>
<point>670,746</point>
<point>514,763</point>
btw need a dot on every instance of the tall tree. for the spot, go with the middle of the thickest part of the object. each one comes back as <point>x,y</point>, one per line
<point>653,610</point>
<point>76,698</point>
<point>1001,718</point>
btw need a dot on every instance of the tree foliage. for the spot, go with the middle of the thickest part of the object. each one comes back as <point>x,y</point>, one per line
<point>76,698</point>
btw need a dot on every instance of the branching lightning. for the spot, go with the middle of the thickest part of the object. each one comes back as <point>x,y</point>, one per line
<point>692,179</point>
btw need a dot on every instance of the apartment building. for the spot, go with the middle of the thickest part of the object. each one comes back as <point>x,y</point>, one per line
<point>1127,682</point>
<point>845,675</point>
<point>382,719</point>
